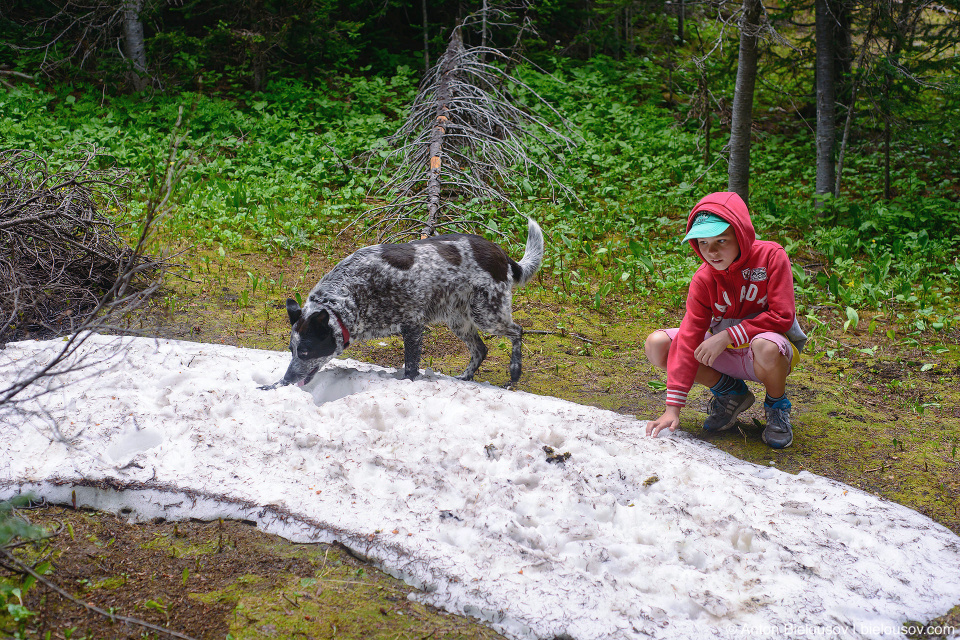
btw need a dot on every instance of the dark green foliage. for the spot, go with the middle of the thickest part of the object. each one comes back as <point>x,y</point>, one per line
<point>14,530</point>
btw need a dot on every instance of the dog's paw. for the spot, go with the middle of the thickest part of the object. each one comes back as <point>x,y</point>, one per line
<point>269,387</point>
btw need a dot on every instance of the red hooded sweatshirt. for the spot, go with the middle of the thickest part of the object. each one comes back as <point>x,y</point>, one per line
<point>752,296</point>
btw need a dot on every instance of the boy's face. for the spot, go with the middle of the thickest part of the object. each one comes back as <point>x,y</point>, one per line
<point>720,251</point>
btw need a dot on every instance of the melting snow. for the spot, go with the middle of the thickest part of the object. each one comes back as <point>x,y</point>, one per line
<point>450,486</point>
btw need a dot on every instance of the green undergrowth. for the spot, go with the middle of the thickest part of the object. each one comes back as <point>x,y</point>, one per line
<point>278,172</point>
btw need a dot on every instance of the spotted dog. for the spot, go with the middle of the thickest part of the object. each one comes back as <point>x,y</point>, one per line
<point>461,280</point>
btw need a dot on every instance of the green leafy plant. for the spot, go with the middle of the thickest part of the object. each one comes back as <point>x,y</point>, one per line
<point>12,590</point>
<point>853,319</point>
<point>12,526</point>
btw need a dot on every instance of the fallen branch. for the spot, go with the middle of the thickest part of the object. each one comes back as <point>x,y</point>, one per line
<point>13,74</point>
<point>25,569</point>
<point>542,332</point>
<point>62,253</point>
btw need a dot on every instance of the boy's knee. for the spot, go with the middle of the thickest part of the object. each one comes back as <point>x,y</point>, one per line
<point>657,346</point>
<point>767,353</point>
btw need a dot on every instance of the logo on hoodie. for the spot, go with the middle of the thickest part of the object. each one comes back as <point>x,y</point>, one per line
<point>755,275</point>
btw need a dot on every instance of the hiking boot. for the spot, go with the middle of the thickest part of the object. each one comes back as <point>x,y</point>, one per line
<point>778,433</point>
<point>723,410</point>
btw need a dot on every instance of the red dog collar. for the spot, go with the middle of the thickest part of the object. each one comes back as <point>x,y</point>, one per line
<point>343,328</point>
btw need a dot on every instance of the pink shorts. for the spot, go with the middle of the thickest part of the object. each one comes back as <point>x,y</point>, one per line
<point>737,362</point>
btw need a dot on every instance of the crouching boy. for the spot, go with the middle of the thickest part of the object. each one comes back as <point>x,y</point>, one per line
<point>740,324</point>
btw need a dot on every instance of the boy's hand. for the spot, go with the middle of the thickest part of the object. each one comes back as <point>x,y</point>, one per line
<point>669,420</point>
<point>708,351</point>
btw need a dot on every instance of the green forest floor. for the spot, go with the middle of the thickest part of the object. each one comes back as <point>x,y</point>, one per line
<point>879,415</point>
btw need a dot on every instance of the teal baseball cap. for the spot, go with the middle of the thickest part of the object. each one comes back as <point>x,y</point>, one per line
<point>706,225</point>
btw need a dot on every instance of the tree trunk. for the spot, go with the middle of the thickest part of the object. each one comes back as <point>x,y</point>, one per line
<point>134,49</point>
<point>738,172</point>
<point>846,137</point>
<point>702,108</point>
<point>681,32</point>
<point>706,145</point>
<point>826,100</point>
<point>258,46</point>
<point>426,41</point>
<point>259,66</point>
<point>901,34</point>
<point>886,139</point>
<point>843,50</point>
<point>854,89</point>
<point>589,36</point>
<point>483,29</point>
<point>448,67</point>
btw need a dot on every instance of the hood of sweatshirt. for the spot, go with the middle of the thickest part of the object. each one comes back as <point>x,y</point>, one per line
<point>731,207</point>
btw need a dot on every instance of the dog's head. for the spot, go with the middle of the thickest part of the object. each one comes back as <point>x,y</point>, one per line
<point>313,343</point>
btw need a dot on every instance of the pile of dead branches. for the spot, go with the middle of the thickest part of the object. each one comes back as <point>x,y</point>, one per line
<point>60,254</point>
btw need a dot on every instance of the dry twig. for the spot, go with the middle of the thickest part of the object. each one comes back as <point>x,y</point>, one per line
<point>20,567</point>
<point>59,253</point>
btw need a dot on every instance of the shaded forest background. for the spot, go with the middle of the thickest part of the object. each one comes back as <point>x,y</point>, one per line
<point>845,70</point>
<point>836,119</point>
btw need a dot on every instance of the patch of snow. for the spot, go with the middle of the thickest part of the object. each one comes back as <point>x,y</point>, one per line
<point>465,491</point>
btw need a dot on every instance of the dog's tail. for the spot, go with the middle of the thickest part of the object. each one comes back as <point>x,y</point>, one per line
<point>532,256</point>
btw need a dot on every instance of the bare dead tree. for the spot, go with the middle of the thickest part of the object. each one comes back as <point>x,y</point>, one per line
<point>464,144</point>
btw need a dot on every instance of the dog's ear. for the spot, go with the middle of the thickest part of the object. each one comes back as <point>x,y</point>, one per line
<point>317,322</point>
<point>293,310</point>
